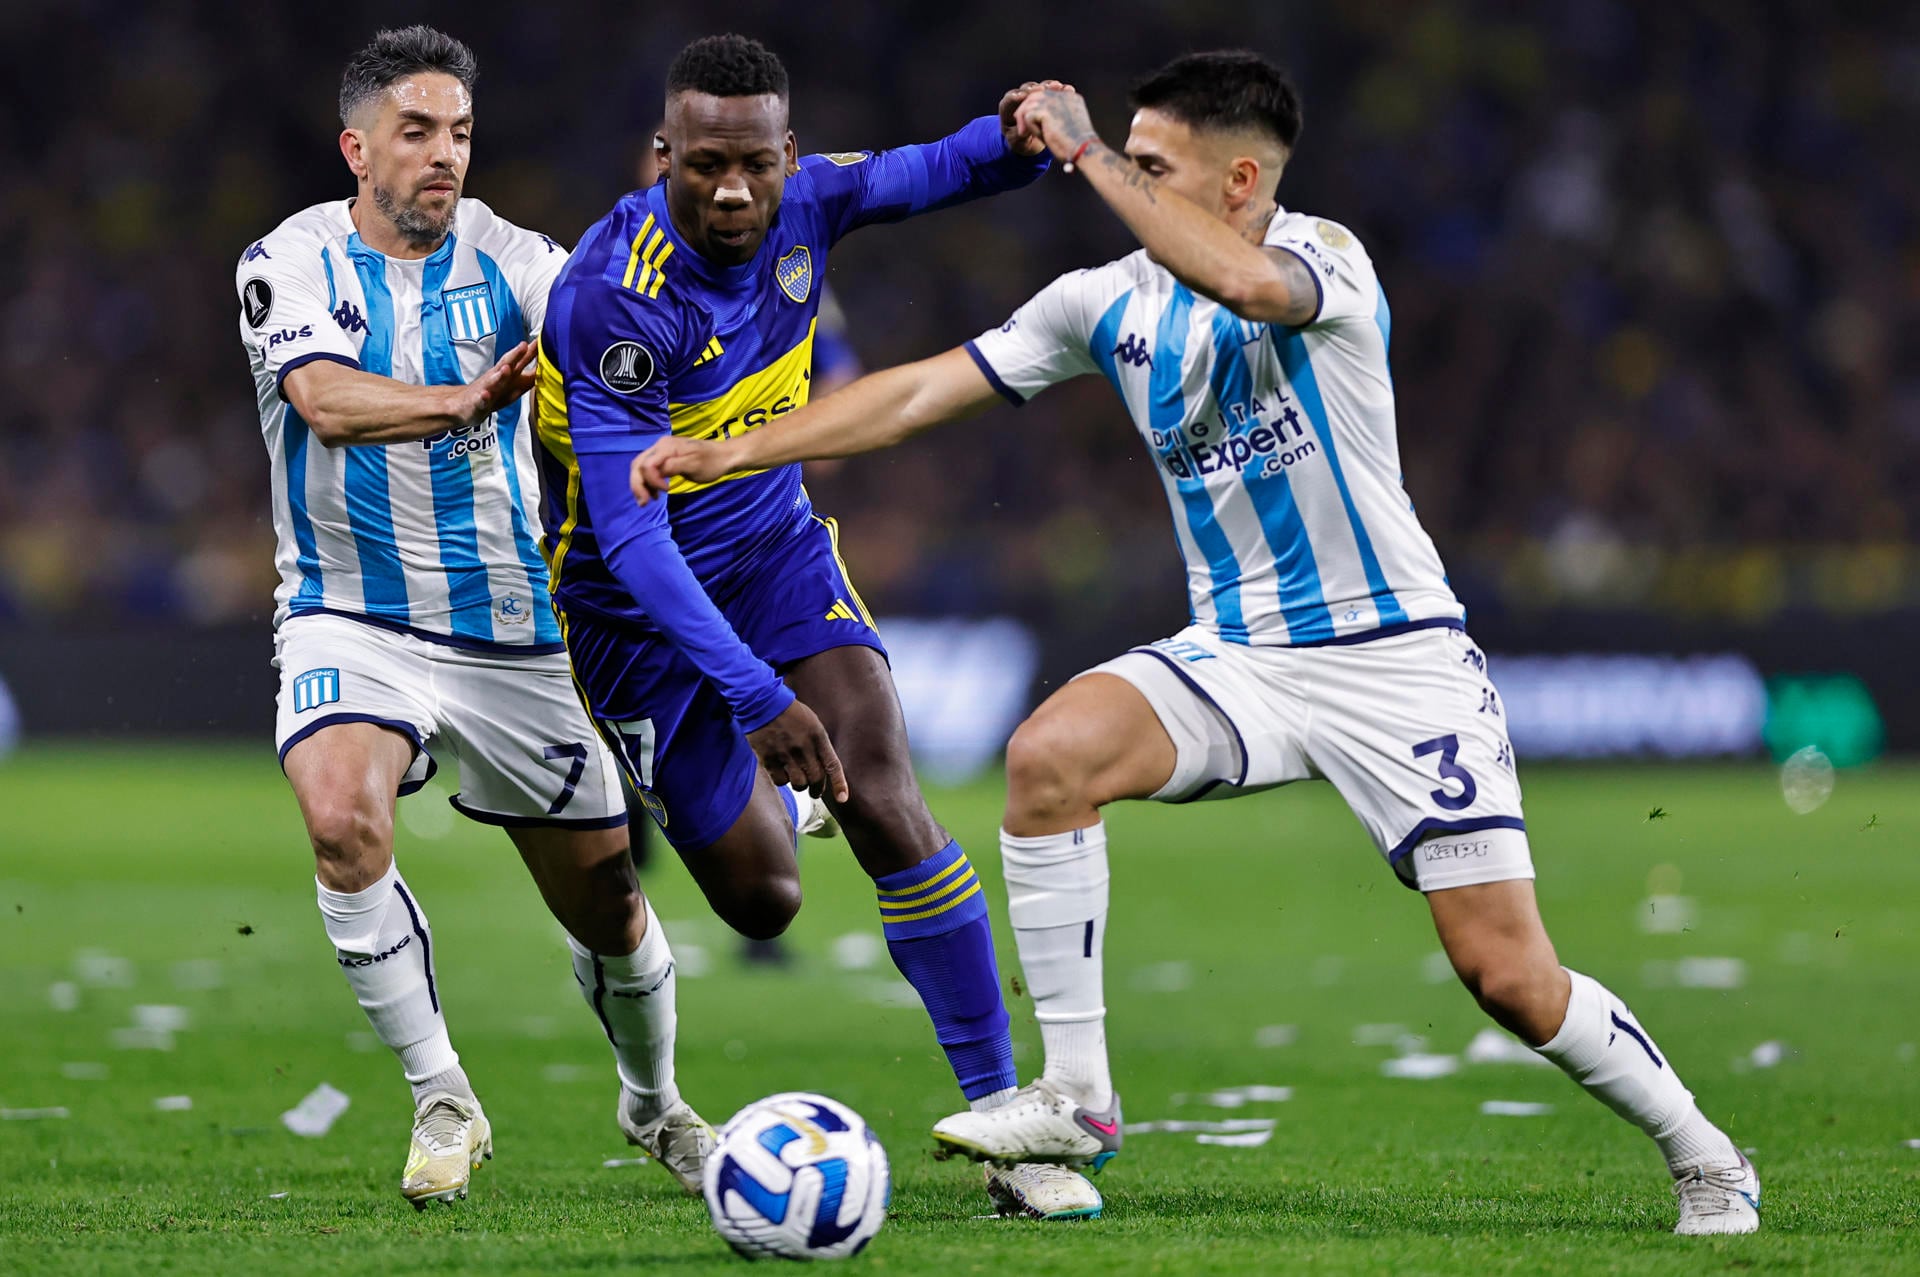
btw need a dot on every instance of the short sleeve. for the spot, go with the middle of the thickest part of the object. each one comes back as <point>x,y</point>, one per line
<point>1045,342</point>
<point>286,305</point>
<point>532,262</point>
<point>1341,269</point>
<point>616,353</point>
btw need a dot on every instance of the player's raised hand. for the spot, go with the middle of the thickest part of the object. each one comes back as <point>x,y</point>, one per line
<point>1019,140</point>
<point>699,460</point>
<point>1057,118</point>
<point>795,751</point>
<point>510,377</point>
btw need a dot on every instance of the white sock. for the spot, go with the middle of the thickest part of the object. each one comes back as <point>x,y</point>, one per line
<point>384,945</point>
<point>993,1101</point>
<point>633,998</point>
<point>1602,1047</point>
<point>1057,902</point>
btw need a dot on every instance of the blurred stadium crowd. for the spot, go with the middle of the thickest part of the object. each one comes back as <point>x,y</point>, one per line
<point>1654,271</point>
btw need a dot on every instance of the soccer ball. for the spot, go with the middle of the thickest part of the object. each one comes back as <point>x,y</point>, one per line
<point>798,1176</point>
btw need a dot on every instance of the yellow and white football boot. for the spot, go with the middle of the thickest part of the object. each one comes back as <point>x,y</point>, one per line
<point>451,1138</point>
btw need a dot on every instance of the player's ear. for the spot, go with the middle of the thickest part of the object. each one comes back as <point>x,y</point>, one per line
<point>793,153</point>
<point>353,149</point>
<point>1243,181</point>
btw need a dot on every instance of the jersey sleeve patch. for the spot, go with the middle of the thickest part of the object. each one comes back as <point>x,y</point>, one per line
<point>627,367</point>
<point>256,299</point>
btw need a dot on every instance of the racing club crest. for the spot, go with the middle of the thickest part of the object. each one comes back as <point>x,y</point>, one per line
<point>795,273</point>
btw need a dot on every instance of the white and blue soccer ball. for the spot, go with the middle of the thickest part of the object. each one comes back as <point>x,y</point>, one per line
<point>798,1176</point>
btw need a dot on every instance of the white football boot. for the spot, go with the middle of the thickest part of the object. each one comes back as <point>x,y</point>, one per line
<point>1041,1123</point>
<point>1716,1200</point>
<point>679,1139</point>
<point>1037,1191</point>
<point>451,1138</point>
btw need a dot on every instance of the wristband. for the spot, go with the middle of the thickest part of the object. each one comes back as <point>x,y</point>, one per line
<point>1078,151</point>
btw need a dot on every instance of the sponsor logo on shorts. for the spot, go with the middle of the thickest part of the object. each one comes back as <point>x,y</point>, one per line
<point>1433,851</point>
<point>315,688</point>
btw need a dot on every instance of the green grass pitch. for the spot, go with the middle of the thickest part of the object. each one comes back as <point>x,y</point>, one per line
<point>1228,920</point>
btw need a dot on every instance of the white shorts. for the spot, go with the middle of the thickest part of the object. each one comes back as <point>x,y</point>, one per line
<point>526,751</point>
<point>1408,728</point>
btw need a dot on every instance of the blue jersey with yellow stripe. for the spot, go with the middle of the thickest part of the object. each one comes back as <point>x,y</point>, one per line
<point>644,336</point>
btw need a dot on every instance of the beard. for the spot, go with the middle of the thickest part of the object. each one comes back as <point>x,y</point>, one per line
<point>416,225</point>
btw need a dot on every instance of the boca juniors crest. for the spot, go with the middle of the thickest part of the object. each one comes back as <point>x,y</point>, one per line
<point>795,273</point>
<point>470,313</point>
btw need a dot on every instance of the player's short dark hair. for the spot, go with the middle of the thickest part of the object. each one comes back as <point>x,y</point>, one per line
<point>1224,91</point>
<point>396,53</point>
<point>727,66</point>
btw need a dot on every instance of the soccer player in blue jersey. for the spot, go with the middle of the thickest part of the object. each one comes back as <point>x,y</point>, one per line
<point>718,641</point>
<point>1249,344</point>
<point>388,339</point>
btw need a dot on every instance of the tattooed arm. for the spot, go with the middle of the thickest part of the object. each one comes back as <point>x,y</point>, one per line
<point>1204,252</point>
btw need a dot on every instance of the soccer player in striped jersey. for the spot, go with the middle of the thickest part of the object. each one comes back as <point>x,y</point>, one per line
<point>1249,345</point>
<point>389,338</point>
<point>720,642</point>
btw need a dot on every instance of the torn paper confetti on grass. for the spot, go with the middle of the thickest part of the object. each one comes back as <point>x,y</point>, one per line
<point>1695,973</point>
<point>1420,1067</point>
<point>1515,1108</point>
<point>1234,1097</point>
<point>858,951</point>
<point>1246,1139</point>
<point>172,1103</point>
<point>63,995</point>
<point>138,1039</point>
<point>1178,1126</point>
<point>162,1019</point>
<point>1667,915</point>
<point>1276,1035</point>
<point>84,1071</point>
<point>34,1115</point>
<point>1378,1034</point>
<point>316,1112</point>
<point>1492,1046</point>
<point>612,1162</point>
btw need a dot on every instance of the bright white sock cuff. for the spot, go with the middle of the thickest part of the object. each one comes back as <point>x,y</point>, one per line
<point>1055,880</point>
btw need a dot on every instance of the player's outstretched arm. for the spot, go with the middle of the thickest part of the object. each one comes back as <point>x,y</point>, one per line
<point>874,412</point>
<point>1204,253</point>
<point>345,406</point>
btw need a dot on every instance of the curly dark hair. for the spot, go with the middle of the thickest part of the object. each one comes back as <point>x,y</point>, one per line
<point>1225,91</point>
<point>727,66</point>
<point>399,52</point>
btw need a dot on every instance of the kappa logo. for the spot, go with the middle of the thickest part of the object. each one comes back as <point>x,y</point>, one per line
<point>256,299</point>
<point>255,251</point>
<point>1133,351</point>
<point>348,316</point>
<point>795,273</point>
<point>626,367</point>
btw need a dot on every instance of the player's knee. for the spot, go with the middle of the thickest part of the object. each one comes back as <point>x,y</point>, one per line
<point>1510,989</point>
<point>347,832</point>
<point>762,910</point>
<point>1043,771</point>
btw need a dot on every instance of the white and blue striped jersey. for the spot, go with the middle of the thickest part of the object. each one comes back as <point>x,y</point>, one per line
<point>1276,445</point>
<point>438,537</point>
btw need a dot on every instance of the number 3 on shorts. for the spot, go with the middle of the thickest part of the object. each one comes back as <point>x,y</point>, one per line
<point>1448,747</point>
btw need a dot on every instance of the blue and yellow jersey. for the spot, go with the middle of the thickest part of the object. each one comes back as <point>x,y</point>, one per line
<point>644,336</point>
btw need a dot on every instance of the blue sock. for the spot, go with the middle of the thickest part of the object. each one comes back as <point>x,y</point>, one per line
<point>792,801</point>
<point>937,931</point>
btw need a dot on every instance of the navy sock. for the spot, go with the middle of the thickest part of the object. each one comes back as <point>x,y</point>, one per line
<point>937,931</point>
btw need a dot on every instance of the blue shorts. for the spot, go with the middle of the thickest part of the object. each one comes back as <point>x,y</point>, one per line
<point>669,727</point>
